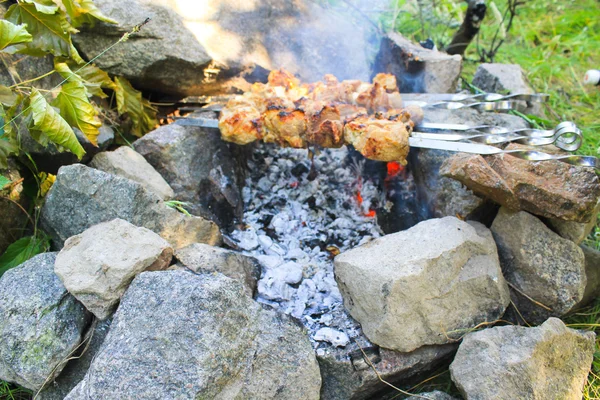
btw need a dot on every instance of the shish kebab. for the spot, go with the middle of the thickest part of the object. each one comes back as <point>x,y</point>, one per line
<point>370,117</point>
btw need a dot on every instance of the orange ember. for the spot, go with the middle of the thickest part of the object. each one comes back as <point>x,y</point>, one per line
<point>394,168</point>
<point>359,198</point>
<point>371,214</point>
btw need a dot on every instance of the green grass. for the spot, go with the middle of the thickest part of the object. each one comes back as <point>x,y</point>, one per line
<point>12,392</point>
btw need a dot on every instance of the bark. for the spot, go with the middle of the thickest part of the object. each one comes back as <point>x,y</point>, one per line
<point>469,28</point>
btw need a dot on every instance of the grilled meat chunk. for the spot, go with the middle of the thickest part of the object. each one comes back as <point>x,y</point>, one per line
<point>378,139</point>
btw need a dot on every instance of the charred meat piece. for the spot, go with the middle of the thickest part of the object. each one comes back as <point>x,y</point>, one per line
<point>374,99</point>
<point>286,127</point>
<point>325,127</point>
<point>378,139</point>
<point>387,81</point>
<point>241,121</point>
<point>283,78</point>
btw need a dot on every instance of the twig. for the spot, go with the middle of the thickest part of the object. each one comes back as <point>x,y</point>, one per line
<point>537,303</point>
<point>33,79</point>
<point>22,209</point>
<point>519,312</point>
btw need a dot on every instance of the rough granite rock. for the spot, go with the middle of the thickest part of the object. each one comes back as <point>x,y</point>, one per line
<point>546,188</point>
<point>501,78</point>
<point>98,265</point>
<point>346,374</point>
<point>539,263</point>
<point>417,69</point>
<point>13,220</point>
<point>592,273</point>
<point>187,49</point>
<point>129,164</point>
<point>426,285</point>
<point>40,323</point>
<point>199,336</point>
<point>76,369</point>
<point>200,167</point>
<point>513,362</point>
<point>205,259</point>
<point>574,231</point>
<point>82,197</point>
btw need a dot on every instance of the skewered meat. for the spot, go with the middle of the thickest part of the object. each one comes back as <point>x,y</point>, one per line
<point>378,139</point>
<point>327,114</point>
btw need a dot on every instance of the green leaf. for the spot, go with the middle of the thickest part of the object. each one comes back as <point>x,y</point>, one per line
<point>93,78</point>
<point>21,251</point>
<point>11,34</point>
<point>47,124</point>
<point>75,108</point>
<point>43,6</point>
<point>7,147</point>
<point>4,181</point>
<point>51,32</point>
<point>130,101</point>
<point>7,96</point>
<point>84,12</point>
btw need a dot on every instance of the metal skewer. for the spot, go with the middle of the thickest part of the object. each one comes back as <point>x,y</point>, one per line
<point>504,105</point>
<point>482,97</point>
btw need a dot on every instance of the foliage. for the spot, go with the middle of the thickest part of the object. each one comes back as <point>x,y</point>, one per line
<point>22,250</point>
<point>11,392</point>
<point>39,27</point>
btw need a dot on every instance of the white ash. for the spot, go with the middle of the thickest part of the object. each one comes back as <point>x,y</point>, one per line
<point>294,226</point>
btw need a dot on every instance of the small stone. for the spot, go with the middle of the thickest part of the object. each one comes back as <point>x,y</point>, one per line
<point>514,362</point>
<point>82,197</point>
<point>435,395</point>
<point>129,164</point>
<point>501,78</point>
<point>574,231</point>
<point>426,285</point>
<point>193,336</point>
<point>40,323</point>
<point>205,259</point>
<point>97,265</point>
<point>540,264</point>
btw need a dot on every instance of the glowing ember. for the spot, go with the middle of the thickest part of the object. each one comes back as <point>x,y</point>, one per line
<point>359,198</point>
<point>371,214</point>
<point>394,168</point>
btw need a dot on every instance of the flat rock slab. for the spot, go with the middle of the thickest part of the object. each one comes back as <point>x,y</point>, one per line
<point>82,197</point>
<point>546,188</point>
<point>513,362</point>
<point>539,264</point>
<point>40,323</point>
<point>205,259</point>
<point>191,336</point>
<point>129,164</point>
<point>423,286</point>
<point>98,265</point>
<point>347,375</point>
<point>202,169</point>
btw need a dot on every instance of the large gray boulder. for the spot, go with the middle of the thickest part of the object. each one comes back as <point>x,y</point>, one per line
<point>98,265</point>
<point>513,362</point>
<point>347,375</point>
<point>540,266</point>
<point>40,323</point>
<point>203,170</point>
<point>129,164</point>
<point>204,259</point>
<point>82,197</point>
<point>426,285</point>
<point>199,336</point>
<point>417,69</point>
<point>189,49</point>
<point>77,367</point>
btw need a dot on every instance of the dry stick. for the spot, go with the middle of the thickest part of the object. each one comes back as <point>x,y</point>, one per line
<point>22,209</point>
<point>123,38</point>
<point>519,312</point>
<point>87,340</point>
<point>537,303</point>
<point>383,380</point>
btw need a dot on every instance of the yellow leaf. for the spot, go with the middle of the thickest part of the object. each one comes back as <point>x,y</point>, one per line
<point>130,101</point>
<point>76,109</point>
